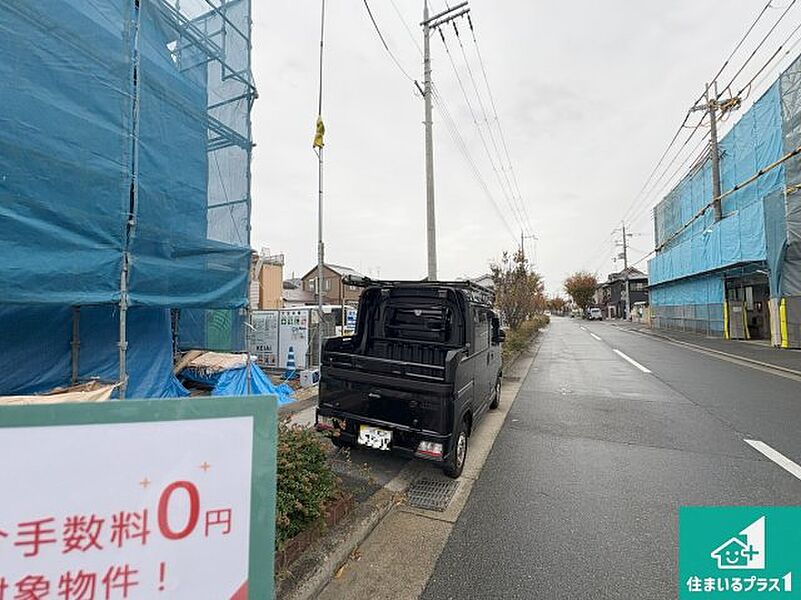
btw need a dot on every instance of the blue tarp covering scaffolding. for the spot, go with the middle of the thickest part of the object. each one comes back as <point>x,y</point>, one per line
<point>124,181</point>
<point>696,246</point>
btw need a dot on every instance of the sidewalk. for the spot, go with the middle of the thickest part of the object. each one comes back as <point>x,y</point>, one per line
<point>758,351</point>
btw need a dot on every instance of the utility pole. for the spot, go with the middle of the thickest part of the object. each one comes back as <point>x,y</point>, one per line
<point>626,271</point>
<point>431,227</point>
<point>429,24</point>
<point>522,243</point>
<point>712,106</point>
<point>625,257</point>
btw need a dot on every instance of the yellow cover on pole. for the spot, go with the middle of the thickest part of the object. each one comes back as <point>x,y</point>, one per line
<point>319,133</point>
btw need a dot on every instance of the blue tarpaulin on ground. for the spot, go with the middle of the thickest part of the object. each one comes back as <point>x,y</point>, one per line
<point>234,382</point>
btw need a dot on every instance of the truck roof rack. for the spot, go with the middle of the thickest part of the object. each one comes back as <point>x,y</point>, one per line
<point>477,292</point>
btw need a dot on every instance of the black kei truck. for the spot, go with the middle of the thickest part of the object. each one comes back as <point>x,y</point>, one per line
<point>421,369</point>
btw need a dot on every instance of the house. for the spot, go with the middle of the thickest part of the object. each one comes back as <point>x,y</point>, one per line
<point>732,267</point>
<point>611,294</point>
<point>266,280</point>
<point>485,281</point>
<point>334,290</point>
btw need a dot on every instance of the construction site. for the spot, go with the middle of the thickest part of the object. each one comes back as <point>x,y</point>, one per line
<point>125,153</point>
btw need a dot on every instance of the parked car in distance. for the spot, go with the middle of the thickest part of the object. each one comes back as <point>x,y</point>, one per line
<point>595,314</point>
<point>422,368</point>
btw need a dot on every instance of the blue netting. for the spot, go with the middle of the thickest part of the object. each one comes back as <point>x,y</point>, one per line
<point>124,131</point>
<point>92,112</point>
<point>754,142</point>
<point>35,350</point>
<point>698,290</point>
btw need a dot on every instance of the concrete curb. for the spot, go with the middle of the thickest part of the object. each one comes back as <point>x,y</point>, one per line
<point>296,407</point>
<point>730,355</point>
<point>330,554</point>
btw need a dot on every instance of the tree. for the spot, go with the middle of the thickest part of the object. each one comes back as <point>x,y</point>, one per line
<point>518,289</point>
<point>581,287</point>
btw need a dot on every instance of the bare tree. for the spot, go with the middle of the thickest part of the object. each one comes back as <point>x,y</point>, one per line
<point>518,289</point>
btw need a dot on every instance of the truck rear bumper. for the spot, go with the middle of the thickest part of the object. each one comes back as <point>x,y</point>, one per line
<point>405,440</point>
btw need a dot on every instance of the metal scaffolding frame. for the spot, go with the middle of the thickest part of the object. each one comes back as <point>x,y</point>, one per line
<point>205,27</point>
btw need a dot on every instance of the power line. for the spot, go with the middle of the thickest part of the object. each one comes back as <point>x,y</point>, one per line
<point>509,202</point>
<point>497,119</point>
<point>384,43</point>
<point>759,45</point>
<point>486,119</point>
<point>478,128</point>
<point>461,146</point>
<point>639,196</point>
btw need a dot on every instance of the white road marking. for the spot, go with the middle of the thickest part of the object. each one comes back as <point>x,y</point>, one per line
<point>776,456</point>
<point>595,336</point>
<point>631,360</point>
<point>582,328</point>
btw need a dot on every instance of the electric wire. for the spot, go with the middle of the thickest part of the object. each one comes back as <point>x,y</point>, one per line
<point>639,196</point>
<point>498,120</point>
<point>517,216</point>
<point>485,117</point>
<point>461,146</point>
<point>386,46</point>
<point>754,52</point>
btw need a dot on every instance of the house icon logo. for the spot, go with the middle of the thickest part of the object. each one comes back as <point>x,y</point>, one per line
<point>746,550</point>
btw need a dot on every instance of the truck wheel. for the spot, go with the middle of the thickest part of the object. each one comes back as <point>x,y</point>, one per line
<point>340,443</point>
<point>455,465</point>
<point>496,400</point>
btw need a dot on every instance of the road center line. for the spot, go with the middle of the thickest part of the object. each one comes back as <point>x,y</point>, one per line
<point>631,360</point>
<point>595,336</point>
<point>776,456</point>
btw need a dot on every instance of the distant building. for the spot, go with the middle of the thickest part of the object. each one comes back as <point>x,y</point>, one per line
<point>266,281</point>
<point>334,290</point>
<point>484,280</point>
<point>611,294</point>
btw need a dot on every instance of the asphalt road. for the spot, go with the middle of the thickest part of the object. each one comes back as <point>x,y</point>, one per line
<point>579,497</point>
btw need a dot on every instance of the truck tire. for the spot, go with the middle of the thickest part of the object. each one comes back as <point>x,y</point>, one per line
<point>496,399</point>
<point>455,464</point>
<point>340,443</point>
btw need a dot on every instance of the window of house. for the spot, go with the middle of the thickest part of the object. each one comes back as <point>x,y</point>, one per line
<point>327,285</point>
<point>310,284</point>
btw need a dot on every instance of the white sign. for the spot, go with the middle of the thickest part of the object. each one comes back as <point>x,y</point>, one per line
<point>139,510</point>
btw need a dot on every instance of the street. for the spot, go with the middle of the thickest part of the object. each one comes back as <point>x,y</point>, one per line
<point>579,497</point>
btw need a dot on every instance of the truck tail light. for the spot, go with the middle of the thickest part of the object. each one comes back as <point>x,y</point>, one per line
<point>431,449</point>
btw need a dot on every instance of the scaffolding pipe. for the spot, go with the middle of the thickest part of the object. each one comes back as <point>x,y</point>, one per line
<point>122,343</point>
<point>76,342</point>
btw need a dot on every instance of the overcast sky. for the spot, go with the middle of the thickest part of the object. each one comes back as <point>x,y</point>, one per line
<point>589,93</point>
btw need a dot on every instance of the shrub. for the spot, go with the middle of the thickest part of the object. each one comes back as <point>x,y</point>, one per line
<point>305,481</point>
<point>518,339</point>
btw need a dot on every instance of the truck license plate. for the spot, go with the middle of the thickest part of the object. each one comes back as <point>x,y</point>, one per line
<point>373,437</point>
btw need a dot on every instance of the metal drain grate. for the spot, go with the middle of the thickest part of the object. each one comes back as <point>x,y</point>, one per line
<point>432,494</point>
